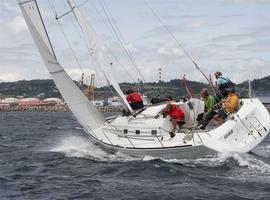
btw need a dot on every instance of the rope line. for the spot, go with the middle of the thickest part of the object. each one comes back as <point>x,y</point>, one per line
<point>109,50</point>
<point>119,37</point>
<point>178,43</point>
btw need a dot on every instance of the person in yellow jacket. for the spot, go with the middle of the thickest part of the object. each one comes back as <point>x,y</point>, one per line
<point>230,105</point>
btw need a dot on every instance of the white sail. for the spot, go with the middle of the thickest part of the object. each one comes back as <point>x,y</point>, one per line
<point>96,53</point>
<point>83,110</point>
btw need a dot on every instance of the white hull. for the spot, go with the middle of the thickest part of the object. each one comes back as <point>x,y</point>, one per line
<point>176,152</point>
<point>241,132</point>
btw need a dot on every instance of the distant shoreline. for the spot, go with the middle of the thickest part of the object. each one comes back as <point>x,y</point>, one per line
<point>55,108</point>
<point>62,108</point>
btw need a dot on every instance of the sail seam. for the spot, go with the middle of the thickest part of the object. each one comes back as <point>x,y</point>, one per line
<point>52,62</point>
<point>55,72</point>
<point>21,3</point>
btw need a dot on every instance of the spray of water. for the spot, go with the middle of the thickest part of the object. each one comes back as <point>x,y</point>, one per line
<point>243,164</point>
<point>80,147</point>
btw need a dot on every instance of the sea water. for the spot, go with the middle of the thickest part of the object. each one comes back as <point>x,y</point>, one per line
<point>48,156</point>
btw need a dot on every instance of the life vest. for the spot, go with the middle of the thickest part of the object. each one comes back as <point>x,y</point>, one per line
<point>231,103</point>
<point>134,97</point>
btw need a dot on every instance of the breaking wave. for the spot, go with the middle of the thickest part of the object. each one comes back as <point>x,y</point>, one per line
<point>240,165</point>
<point>263,151</point>
<point>80,147</point>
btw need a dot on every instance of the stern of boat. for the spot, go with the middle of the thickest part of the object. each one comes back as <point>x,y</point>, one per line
<point>243,130</point>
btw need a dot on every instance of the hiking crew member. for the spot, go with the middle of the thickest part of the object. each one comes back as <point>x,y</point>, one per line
<point>209,103</point>
<point>177,116</point>
<point>230,105</point>
<point>134,99</point>
<point>223,84</point>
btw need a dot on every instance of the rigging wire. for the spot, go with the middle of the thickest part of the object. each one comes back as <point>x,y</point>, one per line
<point>81,37</point>
<point>81,4</point>
<point>119,37</point>
<point>91,50</point>
<point>86,46</point>
<point>179,43</point>
<point>106,46</point>
<point>116,32</point>
<point>113,55</point>
<point>52,5</point>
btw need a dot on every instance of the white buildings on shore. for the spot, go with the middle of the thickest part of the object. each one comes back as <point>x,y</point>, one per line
<point>111,101</point>
<point>9,101</point>
<point>30,102</point>
<point>107,102</point>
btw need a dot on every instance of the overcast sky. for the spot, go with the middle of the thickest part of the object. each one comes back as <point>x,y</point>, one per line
<point>231,36</point>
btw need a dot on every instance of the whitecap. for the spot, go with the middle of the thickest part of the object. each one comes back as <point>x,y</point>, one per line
<point>243,160</point>
<point>262,150</point>
<point>80,147</point>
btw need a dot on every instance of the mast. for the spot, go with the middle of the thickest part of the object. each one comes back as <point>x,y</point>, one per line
<point>83,110</point>
<point>96,53</point>
<point>249,90</point>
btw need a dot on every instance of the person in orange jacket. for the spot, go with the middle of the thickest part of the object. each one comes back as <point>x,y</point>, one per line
<point>177,116</point>
<point>230,105</point>
<point>134,99</point>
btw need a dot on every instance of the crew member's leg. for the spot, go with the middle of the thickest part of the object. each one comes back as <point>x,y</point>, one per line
<point>207,119</point>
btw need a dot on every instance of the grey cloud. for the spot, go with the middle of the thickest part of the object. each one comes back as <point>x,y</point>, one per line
<point>251,33</point>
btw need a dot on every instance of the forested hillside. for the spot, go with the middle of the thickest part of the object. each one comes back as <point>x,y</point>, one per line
<point>175,88</point>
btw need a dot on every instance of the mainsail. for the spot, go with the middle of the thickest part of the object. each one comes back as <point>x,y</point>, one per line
<point>83,110</point>
<point>96,53</point>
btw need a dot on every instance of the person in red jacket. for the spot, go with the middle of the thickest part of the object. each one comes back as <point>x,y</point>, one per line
<point>134,99</point>
<point>177,116</point>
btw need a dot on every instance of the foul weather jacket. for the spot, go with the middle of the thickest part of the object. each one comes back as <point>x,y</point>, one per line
<point>134,97</point>
<point>231,103</point>
<point>209,103</point>
<point>175,113</point>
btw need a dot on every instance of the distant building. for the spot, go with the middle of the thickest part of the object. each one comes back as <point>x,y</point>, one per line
<point>10,101</point>
<point>30,102</point>
<point>114,101</point>
<point>97,102</point>
<point>53,101</point>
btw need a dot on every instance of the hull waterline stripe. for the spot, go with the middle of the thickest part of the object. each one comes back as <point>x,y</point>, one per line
<point>121,147</point>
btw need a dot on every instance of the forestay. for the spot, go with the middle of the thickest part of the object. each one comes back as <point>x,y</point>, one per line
<point>83,110</point>
<point>97,54</point>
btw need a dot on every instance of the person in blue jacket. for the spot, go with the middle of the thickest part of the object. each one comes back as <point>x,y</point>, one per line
<point>223,85</point>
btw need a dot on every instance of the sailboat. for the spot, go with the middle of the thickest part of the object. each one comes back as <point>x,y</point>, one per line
<point>145,133</point>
